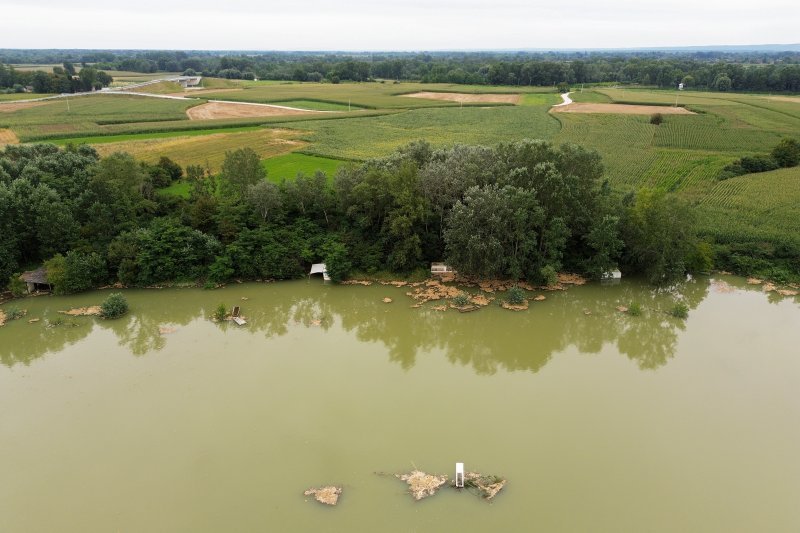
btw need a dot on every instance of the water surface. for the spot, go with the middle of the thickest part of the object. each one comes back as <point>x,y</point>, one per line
<point>166,421</point>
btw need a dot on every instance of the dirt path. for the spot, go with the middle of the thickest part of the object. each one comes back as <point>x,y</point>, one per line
<point>468,98</point>
<point>218,109</point>
<point>566,100</point>
<point>620,109</point>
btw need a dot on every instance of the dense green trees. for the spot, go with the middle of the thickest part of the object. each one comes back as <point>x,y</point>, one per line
<point>523,210</point>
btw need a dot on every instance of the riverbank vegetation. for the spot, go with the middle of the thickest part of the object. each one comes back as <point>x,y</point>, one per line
<point>523,210</point>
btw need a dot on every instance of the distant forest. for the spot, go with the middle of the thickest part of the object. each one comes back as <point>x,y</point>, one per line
<point>766,71</point>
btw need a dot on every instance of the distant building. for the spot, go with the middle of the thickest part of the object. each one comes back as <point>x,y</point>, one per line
<point>680,86</point>
<point>188,81</point>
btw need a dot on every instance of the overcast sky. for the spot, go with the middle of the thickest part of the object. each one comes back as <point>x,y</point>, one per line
<point>397,25</point>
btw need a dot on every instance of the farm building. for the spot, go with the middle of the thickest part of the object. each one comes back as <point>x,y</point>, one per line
<point>36,280</point>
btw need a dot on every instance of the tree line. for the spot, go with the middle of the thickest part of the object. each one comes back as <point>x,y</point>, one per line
<point>523,210</point>
<point>64,79</point>
<point>724,71</point>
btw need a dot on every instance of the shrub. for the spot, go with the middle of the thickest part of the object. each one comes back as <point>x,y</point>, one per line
<point>787,153</point>
<point>17,286</point>
<point>680,310</point>
<point>13,313</point>
<point>656,119</point>
<point>114,306</point>
<point>220,312</point>
<point>461,299</point>
<point>758,163</point>
<point>515,296</point>
<point>549,275</point>
<point>634,309</point>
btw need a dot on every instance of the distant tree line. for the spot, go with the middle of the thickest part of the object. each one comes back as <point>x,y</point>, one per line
<point>723,71</point>
<point>524,210</point>
<point>65,79</point>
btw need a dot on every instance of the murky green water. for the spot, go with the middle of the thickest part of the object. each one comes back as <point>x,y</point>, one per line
<point>600,422</point>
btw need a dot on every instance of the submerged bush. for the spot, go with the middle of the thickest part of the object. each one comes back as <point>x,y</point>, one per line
<point>114,306</point>
<point>220,312</point>
<point>515,296</point>
<point>680,310</point>
<point>634,309</point>
<point>461,299</point>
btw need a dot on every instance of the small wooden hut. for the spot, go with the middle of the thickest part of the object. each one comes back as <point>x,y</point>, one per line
<point>36,280</point>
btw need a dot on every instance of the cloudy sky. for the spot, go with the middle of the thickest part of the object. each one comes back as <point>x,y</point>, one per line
<point>398,25</point>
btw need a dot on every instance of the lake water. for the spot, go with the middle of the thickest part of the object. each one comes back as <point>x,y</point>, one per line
<point>600,421</point>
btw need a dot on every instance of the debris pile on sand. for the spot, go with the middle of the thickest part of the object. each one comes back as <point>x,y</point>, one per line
<point>2,318</point>
<point>327,495</point>
<point>480,299</point>
<point>93,310</point>
<point>387,300</point>
<point>488,486</point>
<point>622,309</point>
<point>511,307</point>
<point>364,282</point>
<point>439,308</point>
<point>395,283</point>
<point>433,290</point>
<point>422,485</point>
<point>769,287</point>
<point>788,292</point>
<point>34,320</point>
<point>571,279</point>
<point>754,281</point>
<point>540,298</point>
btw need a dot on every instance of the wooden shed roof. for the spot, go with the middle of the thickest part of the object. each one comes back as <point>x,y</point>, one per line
<point>36,276</point>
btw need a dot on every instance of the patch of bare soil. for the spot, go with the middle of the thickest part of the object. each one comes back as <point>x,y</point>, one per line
<point>327,495</point>
<point>788,292</point>
<point>10,107</point>
<point>93,310</point>
<point>8,137</point>
<point>364,282</point>
<point>433,290</point>
<point>466,98</point>
<point>621,109</point>
<point>792,99</point>
<point>422,485</point>
<point>754,281</point>
<point>214,110</point>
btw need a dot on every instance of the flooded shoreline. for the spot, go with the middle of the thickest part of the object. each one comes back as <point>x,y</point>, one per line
<point>191,421</point>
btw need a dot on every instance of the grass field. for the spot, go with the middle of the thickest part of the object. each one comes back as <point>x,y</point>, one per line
<point>289,165</point>
<point>317,105</point>
<point>11,97</point>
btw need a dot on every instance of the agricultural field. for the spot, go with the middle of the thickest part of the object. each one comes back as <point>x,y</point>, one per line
<point>208,150</point>
<point>11,97</point>
<point>289,165</point>
<point>685,154</point>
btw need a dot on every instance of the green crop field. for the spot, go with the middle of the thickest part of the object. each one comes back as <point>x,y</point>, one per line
<point>684,154</point>
<point>364,138</point>
<point>81,115</point>
<point>289,165</point>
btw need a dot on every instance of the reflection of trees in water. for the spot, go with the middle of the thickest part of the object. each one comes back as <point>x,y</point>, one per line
<point>584,317</point>
<point>35,340</point>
